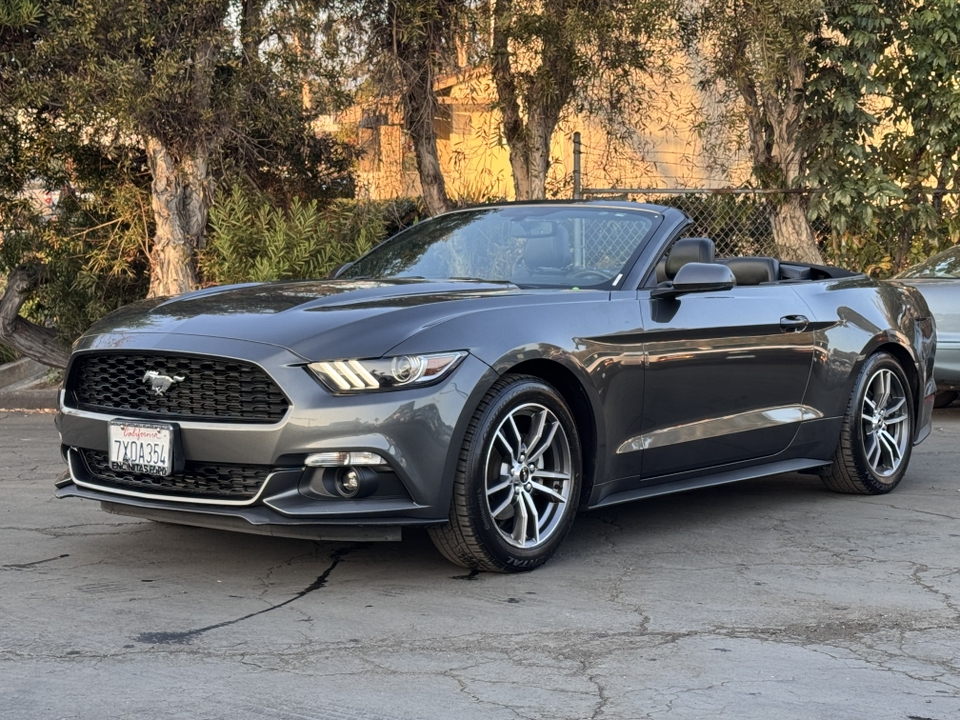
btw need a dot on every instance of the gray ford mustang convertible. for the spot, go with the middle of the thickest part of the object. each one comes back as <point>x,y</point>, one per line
<point>489,372</point>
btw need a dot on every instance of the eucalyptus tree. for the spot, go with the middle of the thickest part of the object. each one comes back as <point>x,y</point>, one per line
<point>164,98</point>
<point>184,78</point>
<point>548,57</point>
<point>402,48</point>
<point>760,51</point>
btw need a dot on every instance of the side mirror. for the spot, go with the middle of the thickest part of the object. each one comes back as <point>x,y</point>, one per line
<point>338,270</point>
<point>696,278</point>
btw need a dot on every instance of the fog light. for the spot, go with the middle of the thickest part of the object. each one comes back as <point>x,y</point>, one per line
<point>343,459</point>
<point>354,482</point>
<point>349,483</point>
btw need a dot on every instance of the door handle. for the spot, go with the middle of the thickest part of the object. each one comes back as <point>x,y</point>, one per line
<point>793,323</point>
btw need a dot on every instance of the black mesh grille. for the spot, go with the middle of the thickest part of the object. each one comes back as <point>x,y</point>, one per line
<point>198,480</point>
<point>211,389</point>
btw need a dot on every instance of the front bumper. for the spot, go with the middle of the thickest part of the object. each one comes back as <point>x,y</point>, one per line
<point>417,430</point>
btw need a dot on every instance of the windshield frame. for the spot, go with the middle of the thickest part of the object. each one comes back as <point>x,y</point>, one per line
<point>649,213</point>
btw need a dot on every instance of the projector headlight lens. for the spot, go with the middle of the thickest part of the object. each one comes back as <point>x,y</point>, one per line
<point>349,376</point>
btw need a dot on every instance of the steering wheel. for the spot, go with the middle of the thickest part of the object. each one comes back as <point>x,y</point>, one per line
<point>590,274</point>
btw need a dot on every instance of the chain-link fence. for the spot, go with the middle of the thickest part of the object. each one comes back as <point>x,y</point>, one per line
<point>878,235</point>
<point>737,221</point>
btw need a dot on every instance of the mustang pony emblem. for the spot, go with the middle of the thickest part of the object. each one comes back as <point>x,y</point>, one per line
<point>160,383</point>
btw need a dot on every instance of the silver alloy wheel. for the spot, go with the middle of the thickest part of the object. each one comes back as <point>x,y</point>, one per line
<point>885,416</point>
<point>528,476</point>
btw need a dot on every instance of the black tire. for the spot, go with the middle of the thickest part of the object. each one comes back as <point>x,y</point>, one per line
<point>876,437</point>
<point>505,515</point>
<point>942,399</point>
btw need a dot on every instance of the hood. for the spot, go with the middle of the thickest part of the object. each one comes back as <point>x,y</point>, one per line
<point>328,318</point>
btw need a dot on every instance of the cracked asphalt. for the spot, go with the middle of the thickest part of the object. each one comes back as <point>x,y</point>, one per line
<point>768,599</point>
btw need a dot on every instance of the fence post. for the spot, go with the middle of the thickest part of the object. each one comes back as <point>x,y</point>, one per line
<point>577,194</point>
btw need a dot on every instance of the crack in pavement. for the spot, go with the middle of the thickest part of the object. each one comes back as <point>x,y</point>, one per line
<point>184,637</point>
<point>25,566</point>
<point>52,528</point>
<point>944,597</point>
<point>602,696</point>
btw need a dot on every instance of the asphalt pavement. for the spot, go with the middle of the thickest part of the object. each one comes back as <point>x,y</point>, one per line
<point>769,599</point>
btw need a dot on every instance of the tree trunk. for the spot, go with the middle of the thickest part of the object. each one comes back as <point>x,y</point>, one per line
<point>543,101</point>
<point>182,189</point>
<point>792,232</point>
<point>773,123</point>
<point>530,159</point>
<point>520,171</point>
<point>27,338</point>
<point>420,108</point>
<point>181,194</point>
<point>416,57</point>
<point>540,126</point>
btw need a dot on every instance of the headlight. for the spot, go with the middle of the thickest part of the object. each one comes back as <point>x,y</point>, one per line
<point>385,373</point>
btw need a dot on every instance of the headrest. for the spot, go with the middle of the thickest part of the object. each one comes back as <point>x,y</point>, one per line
<point>548,251</point>
<point>753,270</point>
<point>688,250</point>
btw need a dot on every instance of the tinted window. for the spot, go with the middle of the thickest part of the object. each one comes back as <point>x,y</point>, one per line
<point>554,246</point>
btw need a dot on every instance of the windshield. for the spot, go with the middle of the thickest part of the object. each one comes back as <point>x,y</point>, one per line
<point>526,245</point>
<point>941,265</point>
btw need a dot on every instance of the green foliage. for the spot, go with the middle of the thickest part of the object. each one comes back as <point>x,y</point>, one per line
<point>18,13</point>
<point>595,46</point>
<point>222,74</point>
<point>91,247</point>
<point>84,83</point>
<point>856,99</point>
<point>754,53</point>
<point>884,131</point>
<point>252,240</point>
<point>408,44</point>
<point>7,355</point>
<point>551,57</point>
<point>91,242</point>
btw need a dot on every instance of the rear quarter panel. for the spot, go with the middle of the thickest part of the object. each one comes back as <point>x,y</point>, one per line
<point>856,317</point>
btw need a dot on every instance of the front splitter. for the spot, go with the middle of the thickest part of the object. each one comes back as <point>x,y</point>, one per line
<point>257,520</point>
<point>224,522</point>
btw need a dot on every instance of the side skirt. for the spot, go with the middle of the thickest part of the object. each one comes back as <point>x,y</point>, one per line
<point>721,478</point>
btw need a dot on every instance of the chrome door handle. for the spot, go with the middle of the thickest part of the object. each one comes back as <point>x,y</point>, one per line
<point>793,323</point>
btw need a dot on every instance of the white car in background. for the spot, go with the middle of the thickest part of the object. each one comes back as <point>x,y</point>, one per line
<point>938,279</point>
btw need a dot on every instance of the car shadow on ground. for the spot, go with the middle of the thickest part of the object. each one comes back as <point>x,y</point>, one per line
<point>705,511</point>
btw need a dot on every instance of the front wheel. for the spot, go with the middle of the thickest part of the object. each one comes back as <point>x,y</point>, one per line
<point>517,484</point>
<point>876,437</point>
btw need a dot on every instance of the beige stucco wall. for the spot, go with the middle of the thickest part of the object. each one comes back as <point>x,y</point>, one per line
<point>665,152</point>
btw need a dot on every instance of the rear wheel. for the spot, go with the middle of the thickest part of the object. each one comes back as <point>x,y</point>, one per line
<point>876,437</point>
<point>517,483</point>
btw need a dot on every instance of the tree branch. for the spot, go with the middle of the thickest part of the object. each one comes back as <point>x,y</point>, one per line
<point>503,72</point>
<point>25,337</point>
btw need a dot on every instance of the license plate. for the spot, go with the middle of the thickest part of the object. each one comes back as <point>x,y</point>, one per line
<point>141,447</point>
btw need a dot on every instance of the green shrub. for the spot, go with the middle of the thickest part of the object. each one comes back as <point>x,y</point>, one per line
<point>252,240</point>
<point>91,252</point>
<point>7,355</point>
<point>890,234</point>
